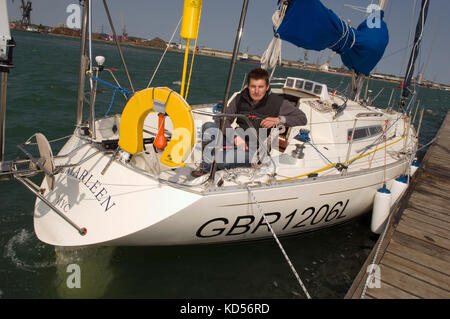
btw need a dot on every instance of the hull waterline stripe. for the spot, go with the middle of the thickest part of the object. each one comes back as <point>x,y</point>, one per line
<point>266,201</point>
<point>351,189</point>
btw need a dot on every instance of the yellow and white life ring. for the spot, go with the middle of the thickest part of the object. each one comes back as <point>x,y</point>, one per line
<point>162,100</point>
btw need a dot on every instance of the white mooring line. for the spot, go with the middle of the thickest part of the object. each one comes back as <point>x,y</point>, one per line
<point>279,245</point>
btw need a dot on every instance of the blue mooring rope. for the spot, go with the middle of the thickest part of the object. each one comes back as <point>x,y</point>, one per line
<point>304,137</point>
<point>116,88</point>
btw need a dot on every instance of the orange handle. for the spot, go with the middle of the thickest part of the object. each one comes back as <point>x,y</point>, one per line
<point>160,140</point>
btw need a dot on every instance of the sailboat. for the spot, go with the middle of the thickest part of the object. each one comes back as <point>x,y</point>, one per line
<point>244,56</point>
<point>125,179</point>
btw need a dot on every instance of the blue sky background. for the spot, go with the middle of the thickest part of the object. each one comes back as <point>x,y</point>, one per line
<point>156,18</point>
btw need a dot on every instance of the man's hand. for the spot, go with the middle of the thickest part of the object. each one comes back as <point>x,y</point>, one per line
<point>240,143</point>
<point>269,122</point>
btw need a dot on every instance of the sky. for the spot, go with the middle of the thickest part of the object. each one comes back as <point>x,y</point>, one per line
<point>220,18</point>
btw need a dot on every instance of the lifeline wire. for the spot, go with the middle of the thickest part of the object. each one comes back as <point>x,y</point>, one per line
<point>279,245</point>
<point>381,136</point>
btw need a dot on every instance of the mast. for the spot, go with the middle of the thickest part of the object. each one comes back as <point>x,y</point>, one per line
<point>382,4</point>
<point>305,58</point>
<point>414,52</point>
<point>237,42</point>
<point>358,78</point>
<point>84,61</point>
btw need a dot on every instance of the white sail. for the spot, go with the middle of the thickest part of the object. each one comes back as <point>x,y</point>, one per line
<point>5,34</point>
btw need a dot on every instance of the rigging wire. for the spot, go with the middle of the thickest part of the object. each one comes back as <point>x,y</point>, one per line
<point>164,53</point>
<point>411,102</point>
<point>398,51</point>
<point>118,45</point>
<point>424,66</point>
<point>411,22</point>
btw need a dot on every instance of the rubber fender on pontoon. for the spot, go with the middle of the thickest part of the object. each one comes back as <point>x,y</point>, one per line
<point>162,100</point>
<point>414,167</point>
<point>398,187</point>
<point>381,208</point>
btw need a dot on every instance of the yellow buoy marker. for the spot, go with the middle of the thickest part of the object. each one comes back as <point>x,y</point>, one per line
<point>191,18</point>
<point>189,30</point>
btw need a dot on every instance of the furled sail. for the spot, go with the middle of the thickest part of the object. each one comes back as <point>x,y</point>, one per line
<point>415,50</point>
<point>312,26</point>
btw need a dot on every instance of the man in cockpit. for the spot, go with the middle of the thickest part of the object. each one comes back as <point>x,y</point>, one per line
<point>264,110</point>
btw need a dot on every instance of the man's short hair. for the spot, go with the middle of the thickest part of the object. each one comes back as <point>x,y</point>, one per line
<point>258,74</point>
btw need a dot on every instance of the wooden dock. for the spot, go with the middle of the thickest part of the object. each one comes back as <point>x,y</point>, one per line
<point>414,256</point>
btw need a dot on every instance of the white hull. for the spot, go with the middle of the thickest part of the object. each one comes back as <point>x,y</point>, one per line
<point>235,217</point>
<point>140,201</point>
<point>124,207</point>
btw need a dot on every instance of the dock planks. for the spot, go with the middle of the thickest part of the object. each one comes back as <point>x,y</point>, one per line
<point>414,256</point>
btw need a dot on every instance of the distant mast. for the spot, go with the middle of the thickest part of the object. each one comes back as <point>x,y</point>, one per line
<point>305,58</point>
<point>358,78</point>
<point>414,52</point>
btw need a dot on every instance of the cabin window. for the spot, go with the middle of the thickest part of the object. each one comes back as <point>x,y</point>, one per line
<point>364,132</point>
<point>374,130</point>
<point>290,83</point>
<point>308,86</point>
<point>318,89</point>
<point>299,84</point>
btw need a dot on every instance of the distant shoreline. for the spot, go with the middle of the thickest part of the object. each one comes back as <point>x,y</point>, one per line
<point>253,59</point>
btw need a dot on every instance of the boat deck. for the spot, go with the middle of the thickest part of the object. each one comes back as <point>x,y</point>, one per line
<point>414,256</point>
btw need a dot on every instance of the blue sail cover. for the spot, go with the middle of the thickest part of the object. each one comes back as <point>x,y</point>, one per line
<point>312,26</point>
